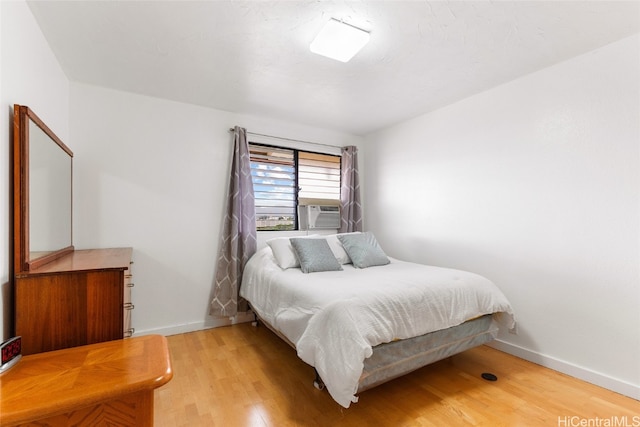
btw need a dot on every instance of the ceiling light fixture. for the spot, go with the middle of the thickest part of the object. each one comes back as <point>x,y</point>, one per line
<point>339,41</point>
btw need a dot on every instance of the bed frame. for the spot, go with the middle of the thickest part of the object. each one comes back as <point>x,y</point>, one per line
<point>394,359</point>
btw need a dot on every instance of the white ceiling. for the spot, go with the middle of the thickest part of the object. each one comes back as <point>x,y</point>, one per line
<point>253,56</point>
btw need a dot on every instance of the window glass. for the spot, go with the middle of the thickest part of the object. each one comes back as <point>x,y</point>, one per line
<point>283,176</point>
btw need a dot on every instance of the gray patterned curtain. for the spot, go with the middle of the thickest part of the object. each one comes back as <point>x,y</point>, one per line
<point>239,239</point>
<point>350,209</point>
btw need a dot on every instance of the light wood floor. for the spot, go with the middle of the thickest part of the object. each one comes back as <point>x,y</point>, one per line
<point>241,376</point>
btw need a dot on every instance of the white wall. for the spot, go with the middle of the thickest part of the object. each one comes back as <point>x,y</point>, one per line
<point>534,184</point>
<point>29,75</point>
<point>152,174</point>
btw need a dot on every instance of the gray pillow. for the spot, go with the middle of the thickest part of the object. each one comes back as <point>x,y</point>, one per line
<point>314,255</point>
<point>363,249</point>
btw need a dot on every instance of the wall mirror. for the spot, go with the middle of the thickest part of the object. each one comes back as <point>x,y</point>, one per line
<point>42,181</point>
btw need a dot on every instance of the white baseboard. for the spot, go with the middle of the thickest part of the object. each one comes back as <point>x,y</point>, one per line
<point>581,373</point>
<point>213,322</point>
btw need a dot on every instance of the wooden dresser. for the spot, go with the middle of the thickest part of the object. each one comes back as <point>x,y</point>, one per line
<point>81,298</point>
<point>110,383</point>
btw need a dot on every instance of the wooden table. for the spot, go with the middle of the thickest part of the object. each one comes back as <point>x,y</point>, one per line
<point>110,382</point>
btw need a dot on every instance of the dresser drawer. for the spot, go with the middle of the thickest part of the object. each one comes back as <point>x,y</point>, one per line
<point>128,302</point>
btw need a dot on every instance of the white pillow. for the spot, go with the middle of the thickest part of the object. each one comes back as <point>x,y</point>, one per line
<point>283,251</point>
<point>338,250</point>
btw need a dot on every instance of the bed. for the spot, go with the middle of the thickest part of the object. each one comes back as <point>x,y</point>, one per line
<point>361,318</point>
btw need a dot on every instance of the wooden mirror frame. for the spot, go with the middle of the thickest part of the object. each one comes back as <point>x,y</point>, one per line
<point>22,116</point>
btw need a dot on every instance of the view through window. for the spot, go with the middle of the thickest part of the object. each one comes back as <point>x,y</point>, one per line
<point>283,176</point>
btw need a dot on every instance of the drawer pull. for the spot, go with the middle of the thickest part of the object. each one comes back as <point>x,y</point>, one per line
<point>129,332</point>
<point>130,285</point>
<point>129,306</point>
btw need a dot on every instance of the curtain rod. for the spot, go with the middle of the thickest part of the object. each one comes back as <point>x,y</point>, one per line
<point>288,139</point>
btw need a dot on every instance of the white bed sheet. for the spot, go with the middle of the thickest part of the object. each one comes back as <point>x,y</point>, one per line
<point>335,318</point>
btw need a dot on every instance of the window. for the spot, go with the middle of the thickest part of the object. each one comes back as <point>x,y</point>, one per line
<point>282,177</point>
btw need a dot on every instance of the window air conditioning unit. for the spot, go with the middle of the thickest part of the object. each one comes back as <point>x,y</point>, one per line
<point>317,217</point>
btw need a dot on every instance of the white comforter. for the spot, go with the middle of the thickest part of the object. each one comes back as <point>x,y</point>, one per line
<point>335,318</point>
